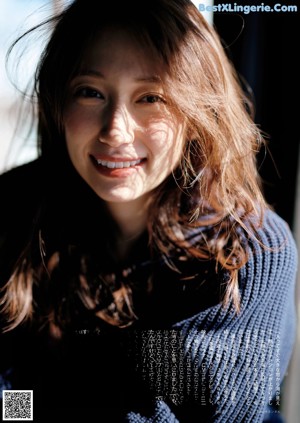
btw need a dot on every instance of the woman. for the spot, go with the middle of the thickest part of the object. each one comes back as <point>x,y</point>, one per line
<point>145,279</point>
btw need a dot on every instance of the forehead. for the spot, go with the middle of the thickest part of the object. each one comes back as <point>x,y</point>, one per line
<point>116,48</point>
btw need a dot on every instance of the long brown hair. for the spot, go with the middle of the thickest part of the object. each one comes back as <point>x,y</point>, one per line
<point>216,186</point>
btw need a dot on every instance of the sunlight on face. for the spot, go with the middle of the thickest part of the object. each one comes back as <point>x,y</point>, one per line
<point>120,134</point>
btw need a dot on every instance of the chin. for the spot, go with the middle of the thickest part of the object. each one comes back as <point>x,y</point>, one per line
<point>117,197</point>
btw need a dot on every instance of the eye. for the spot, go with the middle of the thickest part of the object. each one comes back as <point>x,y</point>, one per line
<point>87,92</point>
<point>152,98</point>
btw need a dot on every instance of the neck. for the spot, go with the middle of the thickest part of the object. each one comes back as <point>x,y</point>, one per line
<point>131,219</point>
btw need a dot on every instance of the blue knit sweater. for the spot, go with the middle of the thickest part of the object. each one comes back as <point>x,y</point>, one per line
<point>226,367</point>
<point>188,360</point>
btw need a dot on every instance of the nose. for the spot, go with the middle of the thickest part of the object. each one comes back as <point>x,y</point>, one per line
<point>117,126</point>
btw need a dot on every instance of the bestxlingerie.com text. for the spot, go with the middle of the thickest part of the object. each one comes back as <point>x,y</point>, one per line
<point>247,8</point>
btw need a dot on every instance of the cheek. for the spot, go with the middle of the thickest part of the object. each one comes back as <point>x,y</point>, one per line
<point>79,123</point>
<point>166,140</point>
<point>74,135</point>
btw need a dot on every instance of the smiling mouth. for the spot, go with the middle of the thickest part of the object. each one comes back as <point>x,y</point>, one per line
<point>118,165</point>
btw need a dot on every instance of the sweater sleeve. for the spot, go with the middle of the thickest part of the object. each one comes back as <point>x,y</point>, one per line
<point>229,366</point>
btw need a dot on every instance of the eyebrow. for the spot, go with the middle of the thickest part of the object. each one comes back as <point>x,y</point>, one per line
<point>154,79</point>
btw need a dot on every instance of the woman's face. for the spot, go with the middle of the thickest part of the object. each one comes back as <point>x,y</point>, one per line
<point>121,136</point>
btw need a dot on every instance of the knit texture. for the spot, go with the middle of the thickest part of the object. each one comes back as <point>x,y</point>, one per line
<point>223,368</point>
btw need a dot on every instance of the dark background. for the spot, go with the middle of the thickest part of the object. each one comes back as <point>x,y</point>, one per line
<point>265,50</point>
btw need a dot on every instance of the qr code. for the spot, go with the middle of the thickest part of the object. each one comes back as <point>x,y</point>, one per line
<point>17,405</point>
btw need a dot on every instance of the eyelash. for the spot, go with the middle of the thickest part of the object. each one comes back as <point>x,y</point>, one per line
<point>158,99</point>
<point>87,92</point>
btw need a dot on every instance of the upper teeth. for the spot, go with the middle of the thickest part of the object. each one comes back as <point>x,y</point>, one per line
<point>118,165</point>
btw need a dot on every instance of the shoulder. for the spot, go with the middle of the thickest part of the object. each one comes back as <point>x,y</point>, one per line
<point>274,240</point>
<point>20,187</point>
<point>273,259</point>
<point>22,177</point>
<point>20,190</point>
<point>275,230</point>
